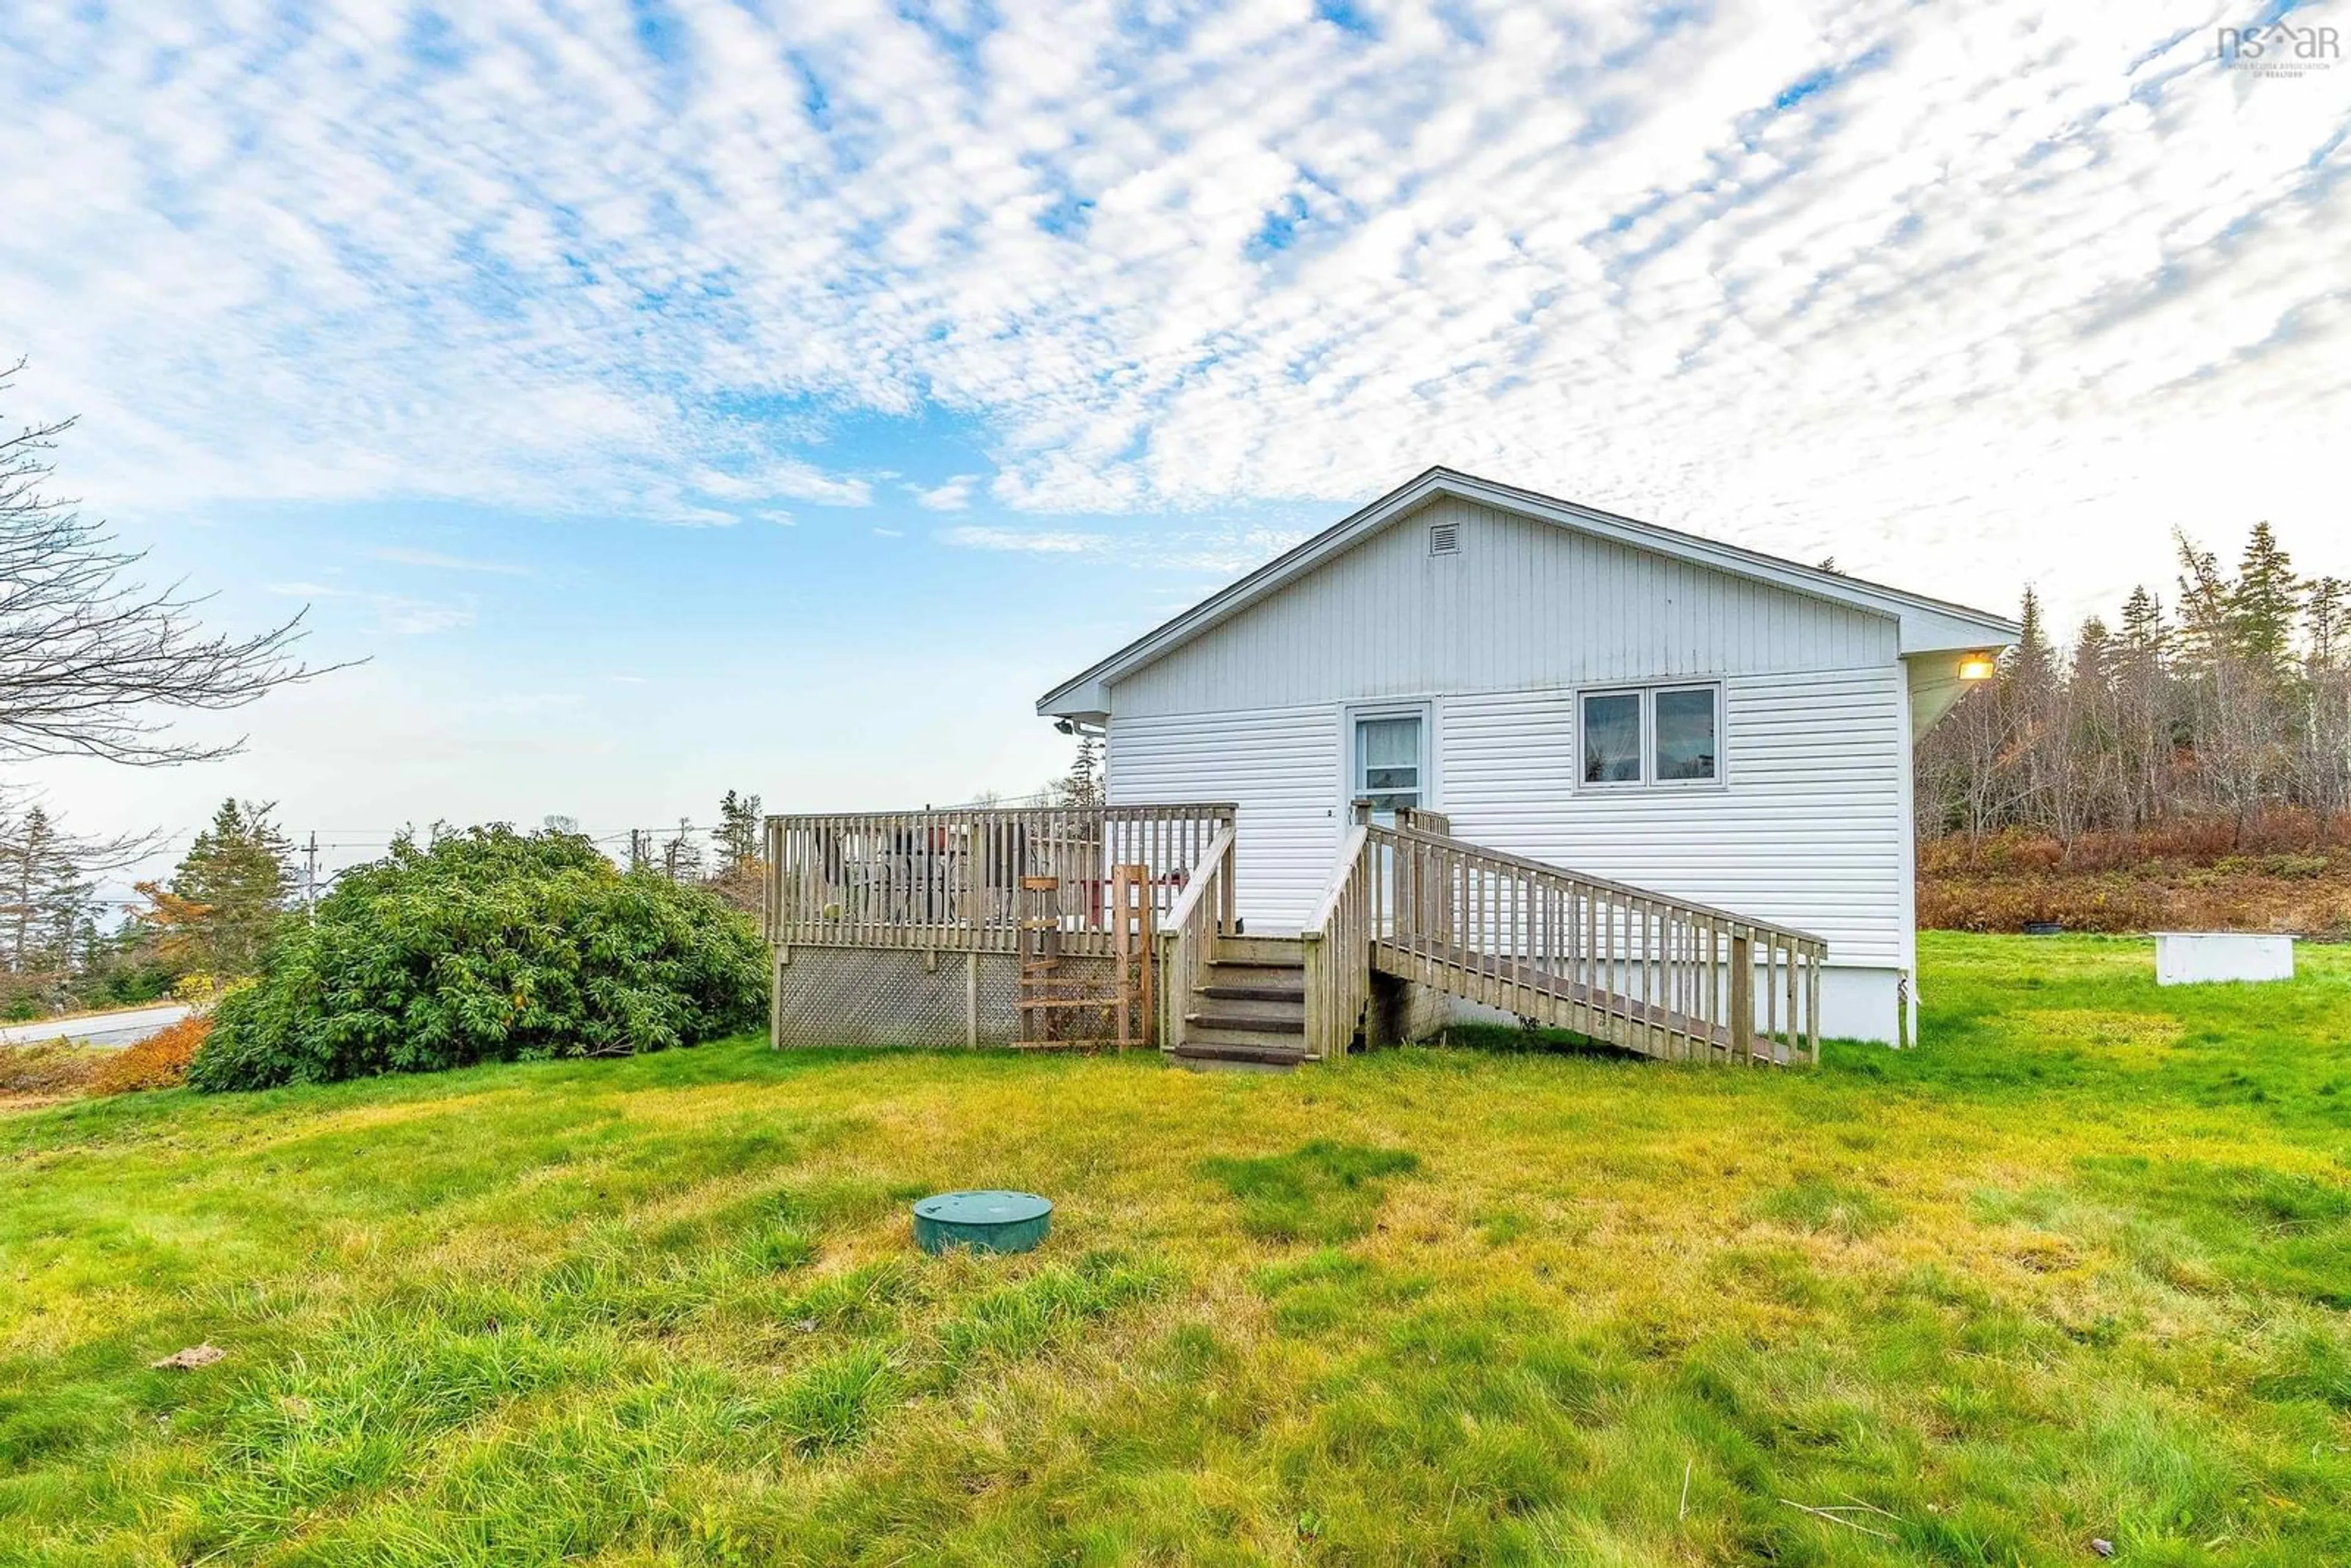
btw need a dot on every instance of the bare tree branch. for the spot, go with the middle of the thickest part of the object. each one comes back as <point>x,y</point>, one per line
<point>91,660</point>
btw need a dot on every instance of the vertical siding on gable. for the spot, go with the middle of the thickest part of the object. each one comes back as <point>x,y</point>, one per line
<point>1524,604</point>
<point>1811,829</point>
<point>1280,766</point>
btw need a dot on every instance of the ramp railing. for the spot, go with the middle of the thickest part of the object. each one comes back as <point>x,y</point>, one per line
<point>1649,971</point>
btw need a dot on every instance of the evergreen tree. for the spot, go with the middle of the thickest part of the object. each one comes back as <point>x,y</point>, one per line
<point>2143,705</point>
<point>1083,786</point>
<point>2144,631</point>
<point>739,834</point>
<point>2323,754</point>
<point>2033,661</point>
<point>46,893</point>
<point>230,891</point>
<point>48,903</point>
<point>737,874</point>
<point>2326,622</point>
<point>2204,610</point>
<point>2235,705</point>
<point>2264,604</point>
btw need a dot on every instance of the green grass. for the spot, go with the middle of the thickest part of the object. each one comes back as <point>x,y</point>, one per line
<point>2077,1268</point>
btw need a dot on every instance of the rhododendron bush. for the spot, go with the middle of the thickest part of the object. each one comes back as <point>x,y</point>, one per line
<point>486,945</point>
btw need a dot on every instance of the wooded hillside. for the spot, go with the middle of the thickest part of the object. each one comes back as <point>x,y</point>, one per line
<point>2190,765</point>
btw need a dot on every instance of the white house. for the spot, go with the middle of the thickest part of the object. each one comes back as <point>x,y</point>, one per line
<point>1603,695</point>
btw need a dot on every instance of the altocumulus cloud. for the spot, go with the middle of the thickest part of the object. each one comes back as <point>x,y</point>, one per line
<point>1930,270</point>
<point>951,497</point>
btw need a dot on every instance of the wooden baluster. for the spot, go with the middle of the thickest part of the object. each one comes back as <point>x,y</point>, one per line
<point>1488,964</point>
<point>1669,951</point>
<point>1666,984</point>
<point>1498,887</point>
<point>1812,1004</point>
<point>1524,891</point>
<point>1640,910</point>
<point>1794,1042</point>
<point>1673,1011</point>
<point>1713,973</point>
<point>1653,932</point>
<point>1743,994</point>
<point>1648,1019</point>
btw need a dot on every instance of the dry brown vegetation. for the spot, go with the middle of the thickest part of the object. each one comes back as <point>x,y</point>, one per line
<point>2191,767</point>
<point>51,1070</point>
<point>159,1062</point>
<point>2281,871</point>
<point>56,1069</point>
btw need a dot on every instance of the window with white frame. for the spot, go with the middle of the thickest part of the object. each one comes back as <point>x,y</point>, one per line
<point>1651,736</point>
<point>1612,738</point>
<point>1389,759</point>
<point>1685,727</point>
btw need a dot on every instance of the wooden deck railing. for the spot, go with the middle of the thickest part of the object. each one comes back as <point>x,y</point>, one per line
<point>1337,943</point>
<point>1187,937</point>
<point>952,880</point>
<point>1656,974</point>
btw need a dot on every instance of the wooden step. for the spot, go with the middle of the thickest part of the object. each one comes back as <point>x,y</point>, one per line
<point>1234,1022</point>
<point>1236,1054</point>
<point>1273,1018</point>
<point>1252,990</point>
<point>1242,973</point>
<point>1286,952</point>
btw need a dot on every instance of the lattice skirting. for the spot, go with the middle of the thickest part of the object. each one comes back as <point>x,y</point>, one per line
<point>896,996</point>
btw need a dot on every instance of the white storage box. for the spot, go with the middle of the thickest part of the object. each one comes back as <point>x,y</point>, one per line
<point>2199,957</point>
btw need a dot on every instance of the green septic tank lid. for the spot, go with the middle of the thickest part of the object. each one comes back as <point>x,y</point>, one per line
<point>983,1221</point>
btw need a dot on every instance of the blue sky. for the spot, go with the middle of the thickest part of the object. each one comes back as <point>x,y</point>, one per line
<point>686,394</point>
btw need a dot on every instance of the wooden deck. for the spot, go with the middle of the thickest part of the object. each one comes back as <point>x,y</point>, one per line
<point>1634,967</point>
<point>957,881</point>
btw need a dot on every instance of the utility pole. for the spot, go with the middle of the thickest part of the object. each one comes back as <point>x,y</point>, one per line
<point>310,878</point>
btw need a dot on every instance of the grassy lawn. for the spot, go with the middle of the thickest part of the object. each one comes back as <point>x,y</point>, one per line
<point>2078,1268</point>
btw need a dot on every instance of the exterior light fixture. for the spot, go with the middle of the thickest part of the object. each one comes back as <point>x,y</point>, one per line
<point>1978,667</point>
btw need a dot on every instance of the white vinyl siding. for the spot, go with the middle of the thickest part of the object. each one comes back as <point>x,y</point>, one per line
<point>1812,829</point>
<point>1281,767</point>
<point>1525,603</point>
<point>1809,829</point>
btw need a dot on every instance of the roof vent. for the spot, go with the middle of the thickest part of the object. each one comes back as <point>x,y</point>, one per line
<point>1445,538</point>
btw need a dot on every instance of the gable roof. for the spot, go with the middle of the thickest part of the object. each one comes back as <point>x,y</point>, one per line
<point>1925,625</point>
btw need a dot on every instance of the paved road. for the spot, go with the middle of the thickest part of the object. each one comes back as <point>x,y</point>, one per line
<point>126,1028</point>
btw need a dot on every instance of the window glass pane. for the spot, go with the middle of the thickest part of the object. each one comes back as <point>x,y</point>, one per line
<point>1390,742</point>
<point>1611,738</point>
<point>1387,762</point>
<point>1686,743</point>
